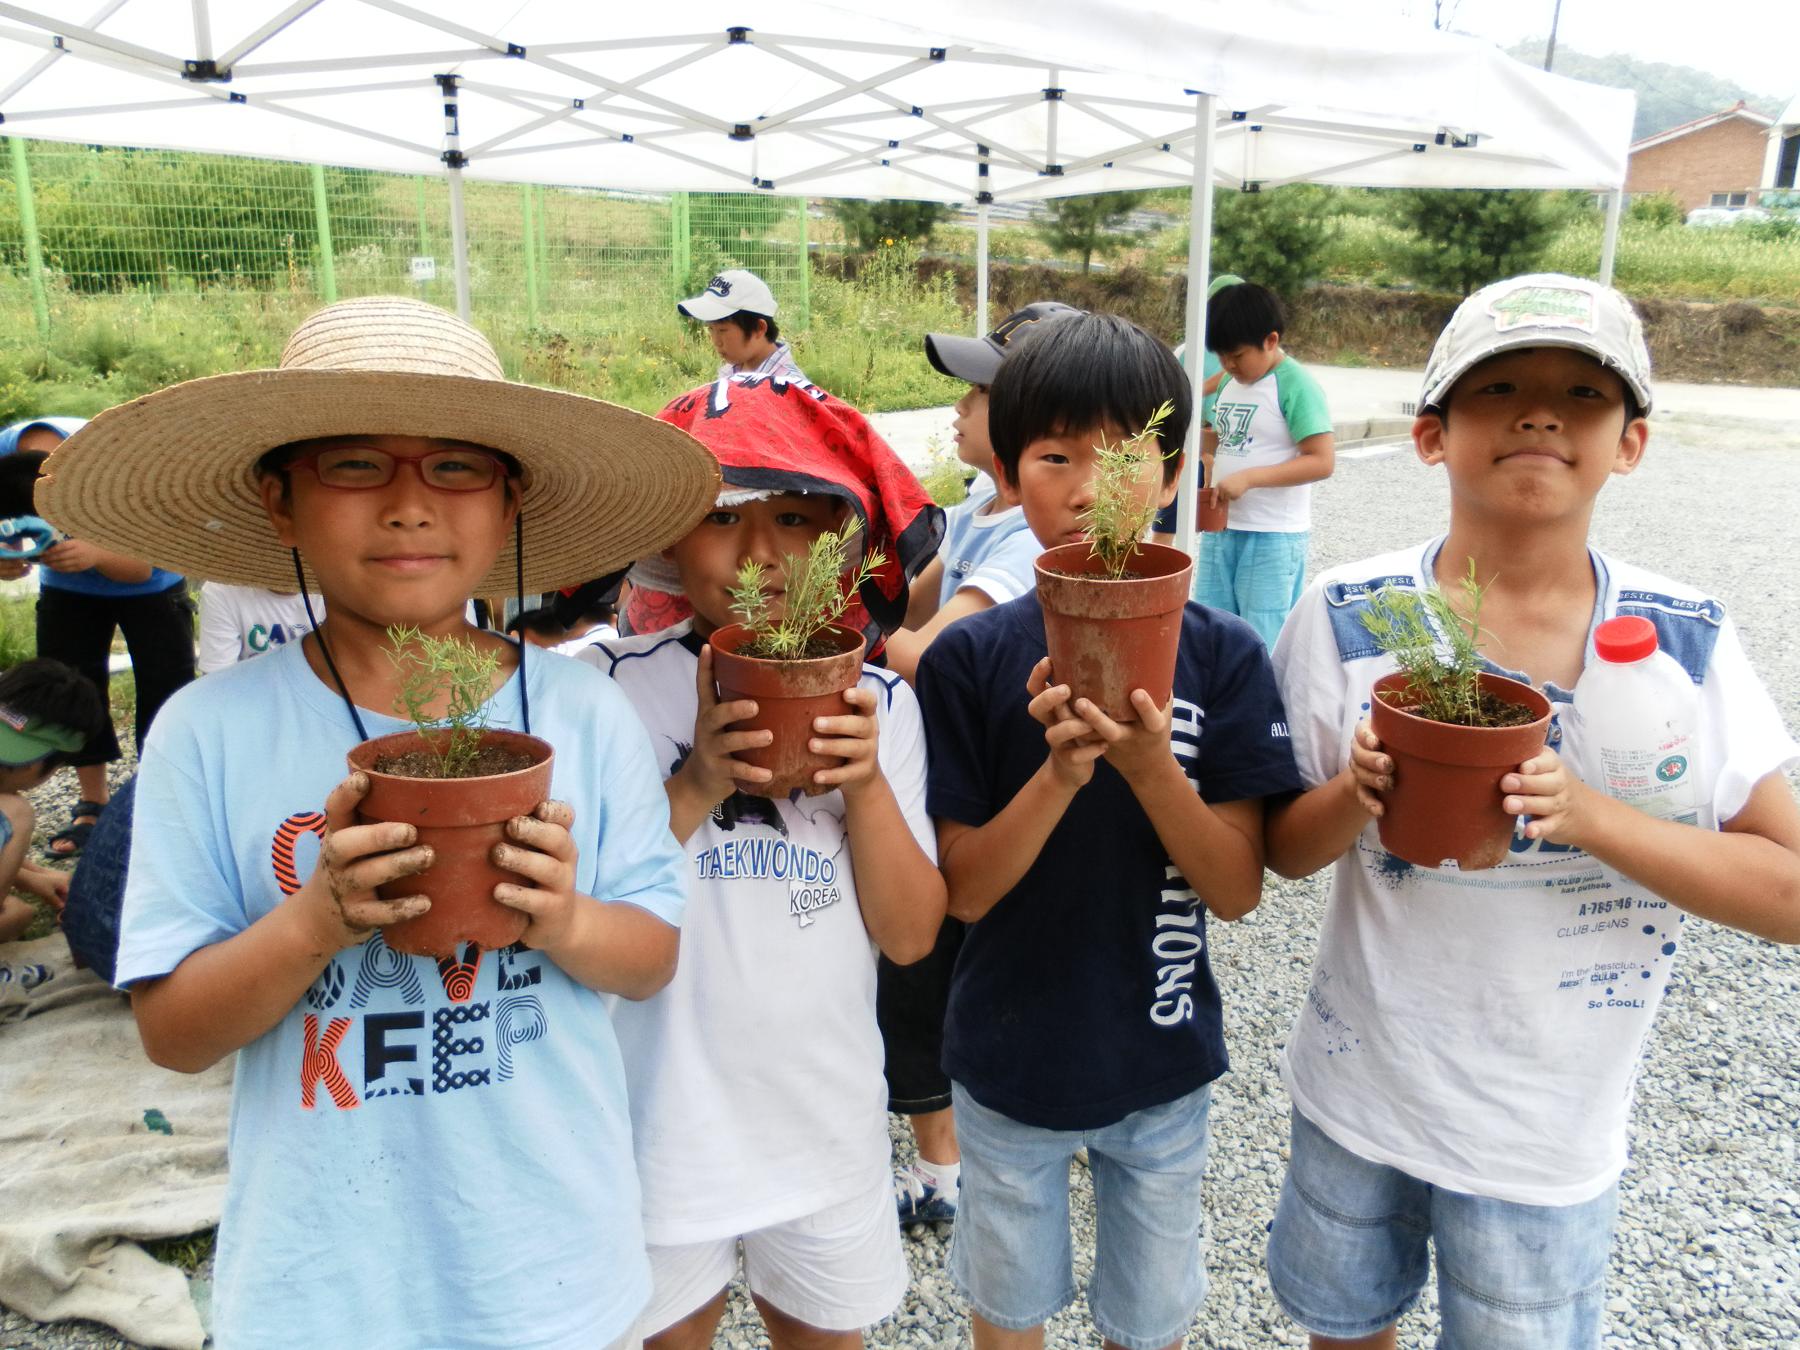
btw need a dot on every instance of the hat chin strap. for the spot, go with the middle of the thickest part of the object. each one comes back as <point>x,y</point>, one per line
<point>362,732</point>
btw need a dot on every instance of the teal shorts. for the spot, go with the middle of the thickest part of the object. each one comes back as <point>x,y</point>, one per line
<point>1255,574</point>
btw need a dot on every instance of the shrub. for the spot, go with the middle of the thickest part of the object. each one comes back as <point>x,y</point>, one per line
<point>1655,210</point>
<point>1277,238</point>
<point>1464,238</point>
<point>871,225</point>
<point>1087,225</point>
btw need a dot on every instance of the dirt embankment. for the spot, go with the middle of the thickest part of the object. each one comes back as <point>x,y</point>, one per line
<point>1731,343</point>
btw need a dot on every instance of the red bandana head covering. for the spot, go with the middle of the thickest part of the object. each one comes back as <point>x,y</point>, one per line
<point>773,435</point>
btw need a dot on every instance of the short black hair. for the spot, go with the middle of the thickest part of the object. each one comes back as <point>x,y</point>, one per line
<point>1243,316</point>
<point>54,693</point>
<point>1081,373</point>
<point>18,482</point>
<point>746,320</point>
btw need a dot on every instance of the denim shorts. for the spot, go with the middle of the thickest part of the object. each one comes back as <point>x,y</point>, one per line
<point>1010,1254</point>
<point>1347,1254</point>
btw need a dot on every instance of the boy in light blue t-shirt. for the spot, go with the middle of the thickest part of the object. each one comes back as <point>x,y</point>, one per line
<point>1269,441</point>
<point>424,1154</point>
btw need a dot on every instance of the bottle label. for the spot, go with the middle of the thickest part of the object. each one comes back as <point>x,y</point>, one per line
<point>1658,781</point>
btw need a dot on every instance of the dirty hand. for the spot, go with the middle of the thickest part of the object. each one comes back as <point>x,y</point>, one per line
<point>11,569</point>
<point>1556,800</point>
<point>540,849</point>
<point>711,769</point>
<point>1371,772</point>
<point>853,737</point>
<point>1073,746</point>
<point>72,555</point>
<point>1231,489</point>
<point>1138,748</point>
<point>355,859</point>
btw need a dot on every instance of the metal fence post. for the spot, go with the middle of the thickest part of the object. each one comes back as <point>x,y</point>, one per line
<point>805,288</point>
<point>322,219</point>
<point>680,242</point>
<point>34,249</point>
<point>531,271</point>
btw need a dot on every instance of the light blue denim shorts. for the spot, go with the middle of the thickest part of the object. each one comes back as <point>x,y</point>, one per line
<point>1011,1256</point>
<point>1348,1254</point>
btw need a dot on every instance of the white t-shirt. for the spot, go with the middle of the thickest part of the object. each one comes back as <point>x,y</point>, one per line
<point>1262,424</point>
<point>238,622</point>
<point>991,552</point>
<point>1482,1031</point>
<point>755,1077</point>
<point>423,1153</point>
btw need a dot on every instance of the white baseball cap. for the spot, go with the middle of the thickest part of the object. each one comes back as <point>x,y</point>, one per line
<point>727,294</point>
<point>1545,309</point>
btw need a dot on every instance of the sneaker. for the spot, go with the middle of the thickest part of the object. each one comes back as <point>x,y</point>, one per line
<point>919,1202</point>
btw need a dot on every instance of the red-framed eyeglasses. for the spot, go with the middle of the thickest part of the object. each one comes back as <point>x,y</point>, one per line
<point>359,468</point>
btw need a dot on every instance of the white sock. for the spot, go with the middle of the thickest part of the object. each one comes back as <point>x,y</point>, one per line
<point>945,1177</point>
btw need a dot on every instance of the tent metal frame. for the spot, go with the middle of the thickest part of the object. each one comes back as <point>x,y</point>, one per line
<point>950,134</point>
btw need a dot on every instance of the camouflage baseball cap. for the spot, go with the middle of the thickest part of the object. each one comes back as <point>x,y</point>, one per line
<point>1545,309</point>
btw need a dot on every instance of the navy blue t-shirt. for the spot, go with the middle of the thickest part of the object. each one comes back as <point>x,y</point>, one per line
<point>1085,994</point>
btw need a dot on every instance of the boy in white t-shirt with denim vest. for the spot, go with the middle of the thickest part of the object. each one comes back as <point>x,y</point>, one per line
<point>1269,440</point>
<point>1463,1065</point>
<point>755,1077</point>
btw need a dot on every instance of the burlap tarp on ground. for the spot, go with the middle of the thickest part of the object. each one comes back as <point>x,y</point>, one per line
<point>83,1179</point>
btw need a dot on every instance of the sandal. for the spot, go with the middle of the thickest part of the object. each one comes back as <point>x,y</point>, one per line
<point>76,832</point>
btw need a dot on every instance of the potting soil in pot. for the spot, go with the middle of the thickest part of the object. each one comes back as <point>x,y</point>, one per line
<point>489,761</point>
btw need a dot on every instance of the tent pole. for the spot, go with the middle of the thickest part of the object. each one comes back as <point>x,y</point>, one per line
<point>28,226</point>
<point>1200,221</point>
<point>982,197</point>
<point>454,159</point>
<point>1609,242</point>
<point>459,242</point>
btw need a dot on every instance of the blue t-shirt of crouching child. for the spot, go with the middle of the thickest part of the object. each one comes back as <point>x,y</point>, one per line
<point>1085,994</point>
<point>423,1153</point>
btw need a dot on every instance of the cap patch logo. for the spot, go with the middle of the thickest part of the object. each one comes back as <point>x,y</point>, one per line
<point>719,286</point>
<point>15,720</point>
<point>1545,307</point>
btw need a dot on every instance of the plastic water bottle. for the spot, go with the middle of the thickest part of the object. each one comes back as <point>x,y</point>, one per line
<point>1639,712</point>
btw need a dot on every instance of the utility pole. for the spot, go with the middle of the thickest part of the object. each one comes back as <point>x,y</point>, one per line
<point>1550,46</point>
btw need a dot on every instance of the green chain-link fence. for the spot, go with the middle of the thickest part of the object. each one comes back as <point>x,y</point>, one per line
<point>122,248</point>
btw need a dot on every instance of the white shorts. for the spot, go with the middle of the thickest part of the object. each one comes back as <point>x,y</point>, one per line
<point>839,1269</point>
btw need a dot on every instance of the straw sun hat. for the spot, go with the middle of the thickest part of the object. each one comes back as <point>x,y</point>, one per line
<point>171,478</point>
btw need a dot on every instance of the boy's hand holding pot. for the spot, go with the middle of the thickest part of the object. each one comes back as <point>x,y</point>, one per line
<point>1073,748</point>
<point>354,860</point>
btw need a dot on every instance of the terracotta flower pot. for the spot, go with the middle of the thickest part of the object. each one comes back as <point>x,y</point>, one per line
<point>1445,804</point>
<point>1109,637</point>
<point>788,696</point>
<point>1212,518</point>
<point>461,819</point>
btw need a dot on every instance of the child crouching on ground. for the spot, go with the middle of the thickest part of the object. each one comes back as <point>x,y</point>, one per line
<point>1458,1080</point>
<point>47,712</point>
<point>423,1154</point>
<point>756,1087</point>
<point>1085,854</point>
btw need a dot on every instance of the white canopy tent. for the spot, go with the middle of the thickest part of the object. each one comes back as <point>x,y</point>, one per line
<point>979,99</point>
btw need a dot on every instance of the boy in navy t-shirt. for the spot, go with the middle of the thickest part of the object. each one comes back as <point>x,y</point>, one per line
<point>1083,853</point>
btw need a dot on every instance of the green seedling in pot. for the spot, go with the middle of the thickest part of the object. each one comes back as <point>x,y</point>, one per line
<point>1121,514</point>
<point>818,587</point>
<point>450,670</point>
<point>1437,646</point>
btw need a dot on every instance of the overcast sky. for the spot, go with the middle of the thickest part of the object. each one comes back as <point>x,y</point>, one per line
<point>1755,42</point>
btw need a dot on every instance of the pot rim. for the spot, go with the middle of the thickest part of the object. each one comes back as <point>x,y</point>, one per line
<point>533,746</point>
<point>857,645</point>
<point>1531,698</point>
<point>1145,550</point>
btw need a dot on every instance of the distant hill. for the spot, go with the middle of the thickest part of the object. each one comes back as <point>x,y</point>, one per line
<point>1668,95</point>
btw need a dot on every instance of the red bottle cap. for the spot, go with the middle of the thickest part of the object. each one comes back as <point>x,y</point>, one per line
<point>1625,639</point>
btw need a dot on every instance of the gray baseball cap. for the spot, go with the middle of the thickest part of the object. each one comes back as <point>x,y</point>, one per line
<point>1545,309</point>
<point>728,293</point>
<point>977,360</point>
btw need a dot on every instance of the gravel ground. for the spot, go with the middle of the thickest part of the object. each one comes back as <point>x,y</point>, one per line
<point>1708,1248</point>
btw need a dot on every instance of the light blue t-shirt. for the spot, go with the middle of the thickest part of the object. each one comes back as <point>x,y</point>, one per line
<point>423,1154</point>
<point>992,553</point>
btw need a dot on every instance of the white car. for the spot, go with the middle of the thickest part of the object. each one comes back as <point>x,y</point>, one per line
<point>1712,216</point>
